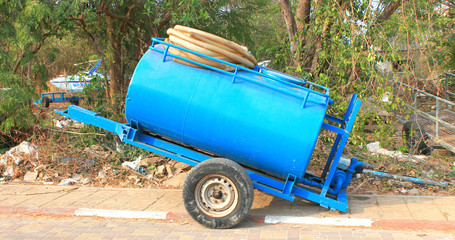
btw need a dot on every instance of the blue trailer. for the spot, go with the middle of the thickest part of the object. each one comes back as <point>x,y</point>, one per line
<point>242,129</point>
<point>47,98</point>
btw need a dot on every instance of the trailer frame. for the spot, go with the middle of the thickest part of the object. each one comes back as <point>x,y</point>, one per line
<point>318,189</point>
<point>51,97</point>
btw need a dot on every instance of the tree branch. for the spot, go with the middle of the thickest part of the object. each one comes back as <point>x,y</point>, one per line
<point>126,18</point>
<point>388,11</point>
<point>37,48</point>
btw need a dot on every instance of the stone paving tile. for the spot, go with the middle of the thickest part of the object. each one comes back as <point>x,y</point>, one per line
<point>424,208</point>
<point>446,206</point>
<point>40,199</point>
<point>14,200</point>
<point>393,208</point>
<point>172,203</point>
<point>95,199</point>
<point>68,200</point>
<point>363,207</point>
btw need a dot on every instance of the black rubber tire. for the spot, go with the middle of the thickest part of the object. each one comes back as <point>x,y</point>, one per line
<point>46,102</point>
<point>414,138</point>
<point>75,102</point>
<point>234,173</point>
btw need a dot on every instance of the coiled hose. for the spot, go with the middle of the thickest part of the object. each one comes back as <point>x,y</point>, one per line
<point>208,44</point>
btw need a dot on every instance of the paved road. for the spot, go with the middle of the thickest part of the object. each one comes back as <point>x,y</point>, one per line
<point>51,227</point>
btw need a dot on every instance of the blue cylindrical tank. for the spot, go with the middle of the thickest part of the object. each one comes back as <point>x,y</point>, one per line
<point>260,123</point>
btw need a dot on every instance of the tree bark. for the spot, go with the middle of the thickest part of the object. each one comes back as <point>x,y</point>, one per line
<point>303,14</point>
<point>290,23</point>
<point>388,11</point>
<point>115,53</point>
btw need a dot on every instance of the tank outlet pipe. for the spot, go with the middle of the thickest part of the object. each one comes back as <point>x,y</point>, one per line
<point>404,178</point>
<point>337,183</point>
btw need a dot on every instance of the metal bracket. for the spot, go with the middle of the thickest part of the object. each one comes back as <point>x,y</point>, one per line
<point>290,181</point>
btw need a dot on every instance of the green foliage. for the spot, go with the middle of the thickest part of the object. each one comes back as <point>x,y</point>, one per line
<point>345,47</point>
<point>25,27</point>
<point>95,96</point>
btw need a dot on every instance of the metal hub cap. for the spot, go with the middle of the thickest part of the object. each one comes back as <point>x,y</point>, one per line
<point>216,195</point>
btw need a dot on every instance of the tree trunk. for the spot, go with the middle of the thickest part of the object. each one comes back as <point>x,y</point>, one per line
<point>303,15</point>
<point>290,23</point>
<point>115,53</point>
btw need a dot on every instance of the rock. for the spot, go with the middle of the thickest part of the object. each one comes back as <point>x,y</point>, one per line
<point>414,191</point>
<point>177,180</point>
<point>183,166</point>
<point>48,179</point>
<point>102,174</point>
<point>77,177</point>
<point>96,151</point>
<point>118,145</point>
<point>160,169</point>
<point>134,178</point>
<point>57,123</point>
<point>86,180</point>
<point>39,168</point>
<point>30,176</point>
<point>67,181</point>
<point>405,184</point>
<point>169,170</point>
<point>67,123</point>
<point>27,148</point>
<point>18,152</point>
<point>150,176</point>
<point>9,172</point>
<point>149,161</point>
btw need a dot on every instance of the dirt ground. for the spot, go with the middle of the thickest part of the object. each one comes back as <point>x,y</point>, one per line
<point>73,155</point>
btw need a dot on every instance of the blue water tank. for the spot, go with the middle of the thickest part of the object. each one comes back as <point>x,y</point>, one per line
<point>261,123</point>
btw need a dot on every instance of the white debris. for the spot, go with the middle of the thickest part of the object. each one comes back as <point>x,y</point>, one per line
<point>67,123</point>
<point>150,176</point>
<point>77,177</point>
<point>68,181</point>
<point>385,97</point>
<point>30,176</point>
<point>376,149</point>
<point>9,172</point>
<point>17,153</point>
<point>102,174</point>
<point>132,164</point>
<point>86,180</point>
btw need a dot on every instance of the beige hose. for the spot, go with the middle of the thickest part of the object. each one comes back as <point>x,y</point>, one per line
<point>208,44</point>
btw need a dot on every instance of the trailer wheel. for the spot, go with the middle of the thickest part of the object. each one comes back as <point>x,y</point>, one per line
<point>414,138</point>
<point>218,193</point>
<point>46,101</point>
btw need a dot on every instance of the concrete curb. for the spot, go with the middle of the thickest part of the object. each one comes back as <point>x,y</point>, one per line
<point>404,224</point>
